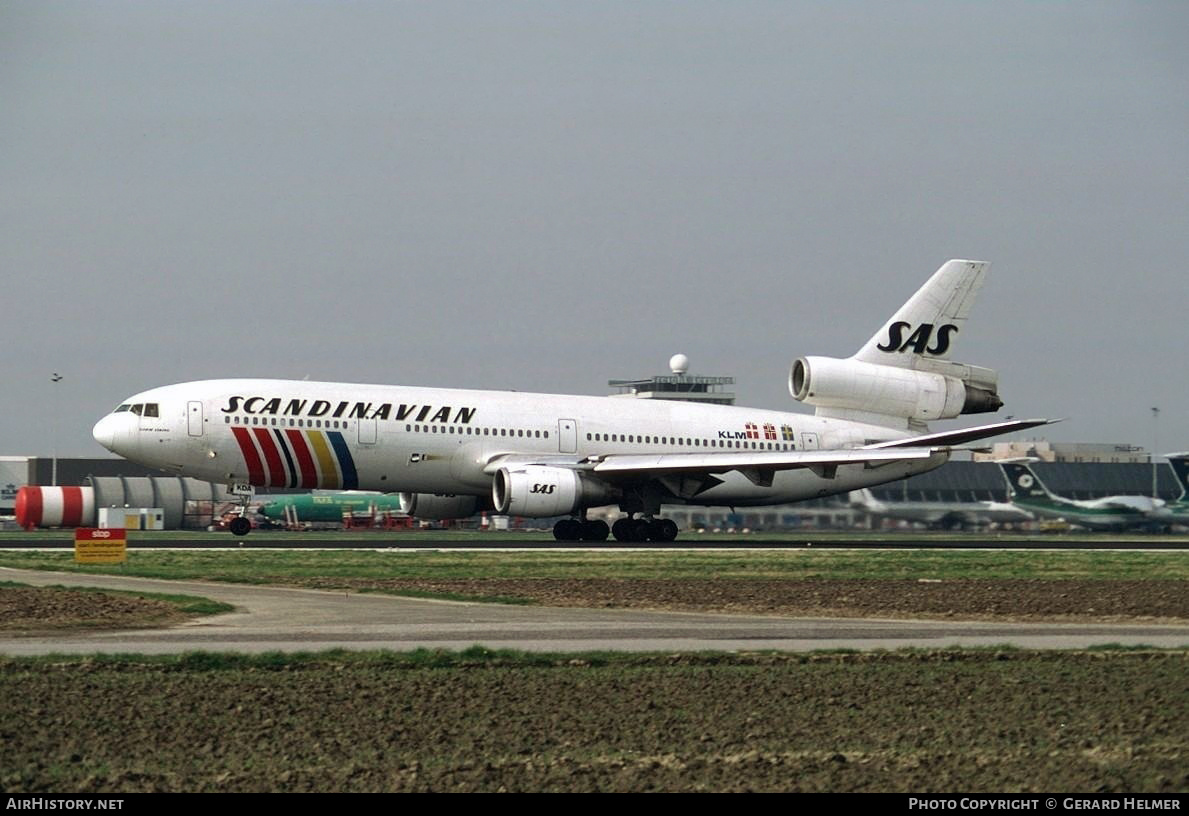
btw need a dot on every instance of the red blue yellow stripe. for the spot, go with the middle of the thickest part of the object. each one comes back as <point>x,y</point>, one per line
<point>306,458</point>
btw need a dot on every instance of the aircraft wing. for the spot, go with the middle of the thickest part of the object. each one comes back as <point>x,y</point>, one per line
<point>756,465</point>
<point>961,436</point>
<point>659,463</point>
<point>759,466</point>
<point>1142,504</point>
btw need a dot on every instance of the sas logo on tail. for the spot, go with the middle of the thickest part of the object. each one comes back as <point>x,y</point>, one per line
<point>918,341</point>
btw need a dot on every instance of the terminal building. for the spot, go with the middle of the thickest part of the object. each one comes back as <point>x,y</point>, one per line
<point>984,481</point>
<point>1045,451</point>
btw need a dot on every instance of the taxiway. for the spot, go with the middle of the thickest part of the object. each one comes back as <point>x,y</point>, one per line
<point>285,619</point>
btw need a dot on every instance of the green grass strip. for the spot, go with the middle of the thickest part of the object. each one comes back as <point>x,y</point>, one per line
<point>281,566</point>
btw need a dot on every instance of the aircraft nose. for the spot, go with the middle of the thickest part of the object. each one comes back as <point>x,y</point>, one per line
<point>105,432</point>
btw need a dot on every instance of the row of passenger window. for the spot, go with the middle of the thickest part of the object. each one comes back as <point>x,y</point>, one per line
<point>342,424</point>
<point>691,442</point>
<point>521,432</point>
<point>292,423</point>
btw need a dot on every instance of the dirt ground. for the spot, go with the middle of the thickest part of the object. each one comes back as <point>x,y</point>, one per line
<point>917,722</point>
<point>923,722</point>
<point>33,609</point>
<point>53,609</point>
<point>972,599</point>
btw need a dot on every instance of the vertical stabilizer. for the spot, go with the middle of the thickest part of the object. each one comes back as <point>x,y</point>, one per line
<point>1180,468</point>
<point>928,324</point>
<point>1024,483</point>
<point>865,499</point>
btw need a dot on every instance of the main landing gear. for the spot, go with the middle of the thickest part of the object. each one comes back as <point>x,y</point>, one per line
<point>642,529</point>
<point>581,530</point>
<point>626,529</point>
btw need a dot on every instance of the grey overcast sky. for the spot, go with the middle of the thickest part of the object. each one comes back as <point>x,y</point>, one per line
<point>543,196</point>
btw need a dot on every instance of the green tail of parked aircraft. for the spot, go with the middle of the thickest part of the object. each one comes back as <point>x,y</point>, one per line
<point>1179,509</point>
<point>1108,513</point>
<point>329,506</point>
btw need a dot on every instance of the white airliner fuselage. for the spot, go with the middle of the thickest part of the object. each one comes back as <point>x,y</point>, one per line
<point>454,452</point>
<point>283,433</point>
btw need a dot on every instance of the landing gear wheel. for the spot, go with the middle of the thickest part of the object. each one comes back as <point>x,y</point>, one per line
<point>622,530</point>
<point>662,530</point>
<point>640,529</point>
<point>568,530</point>
<point>595,531</point>
<point>240,526</point>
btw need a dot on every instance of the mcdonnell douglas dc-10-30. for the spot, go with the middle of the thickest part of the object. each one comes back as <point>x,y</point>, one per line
<point>452,453</point>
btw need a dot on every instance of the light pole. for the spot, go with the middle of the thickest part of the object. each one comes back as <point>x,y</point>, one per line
<point>55,377</point>
<point>1155,446</point>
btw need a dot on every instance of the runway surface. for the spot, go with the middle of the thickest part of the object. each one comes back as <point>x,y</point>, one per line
<point>484,541</point>
<point>283,619</point>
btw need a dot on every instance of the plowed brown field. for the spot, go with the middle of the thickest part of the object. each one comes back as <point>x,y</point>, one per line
<point>32,609</point>
<point>971,599</point>
<point>941,721</point>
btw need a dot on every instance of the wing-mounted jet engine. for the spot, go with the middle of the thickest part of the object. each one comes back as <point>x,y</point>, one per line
<point>437,506</point>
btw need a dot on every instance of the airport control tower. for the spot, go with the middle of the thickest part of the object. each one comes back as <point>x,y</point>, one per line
<point>680,386</point>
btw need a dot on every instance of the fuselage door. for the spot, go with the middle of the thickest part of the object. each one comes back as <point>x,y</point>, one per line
<point>808,441</point>
<point>567,436</point>
<point>194,418</point>
<point>367,431</point>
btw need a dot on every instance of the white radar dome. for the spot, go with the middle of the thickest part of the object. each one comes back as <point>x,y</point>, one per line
<point>679,363</point>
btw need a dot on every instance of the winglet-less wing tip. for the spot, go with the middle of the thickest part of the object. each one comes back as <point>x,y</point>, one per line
<point>963,435</point>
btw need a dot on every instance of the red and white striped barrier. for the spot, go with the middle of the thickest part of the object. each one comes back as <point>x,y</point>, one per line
<point>55,507</point>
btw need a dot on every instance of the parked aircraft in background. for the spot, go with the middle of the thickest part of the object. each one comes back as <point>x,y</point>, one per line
<point>328,506</point>
<point>1178,509</point>
<point>1108,513</point>
<point>451,452</point>
<point>940,514</point>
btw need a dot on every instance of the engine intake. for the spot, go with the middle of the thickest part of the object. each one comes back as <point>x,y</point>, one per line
<point>539,491</point>
<point>905,392</point>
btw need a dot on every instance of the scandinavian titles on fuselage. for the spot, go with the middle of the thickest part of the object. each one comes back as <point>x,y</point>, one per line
<point>415,412</point>
<point>278,406</point>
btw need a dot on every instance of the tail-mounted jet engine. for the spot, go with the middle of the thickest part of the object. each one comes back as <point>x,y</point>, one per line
<point>938,389</point>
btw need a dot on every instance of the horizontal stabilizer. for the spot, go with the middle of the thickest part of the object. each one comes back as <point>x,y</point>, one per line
<point>962,435</point>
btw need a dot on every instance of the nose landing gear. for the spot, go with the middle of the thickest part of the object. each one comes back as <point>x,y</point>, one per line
<point>240,525</point>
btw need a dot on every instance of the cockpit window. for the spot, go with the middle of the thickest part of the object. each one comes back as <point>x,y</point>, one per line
<point>150,409</point>
<point>122,408</point>
<point>138,408</point>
